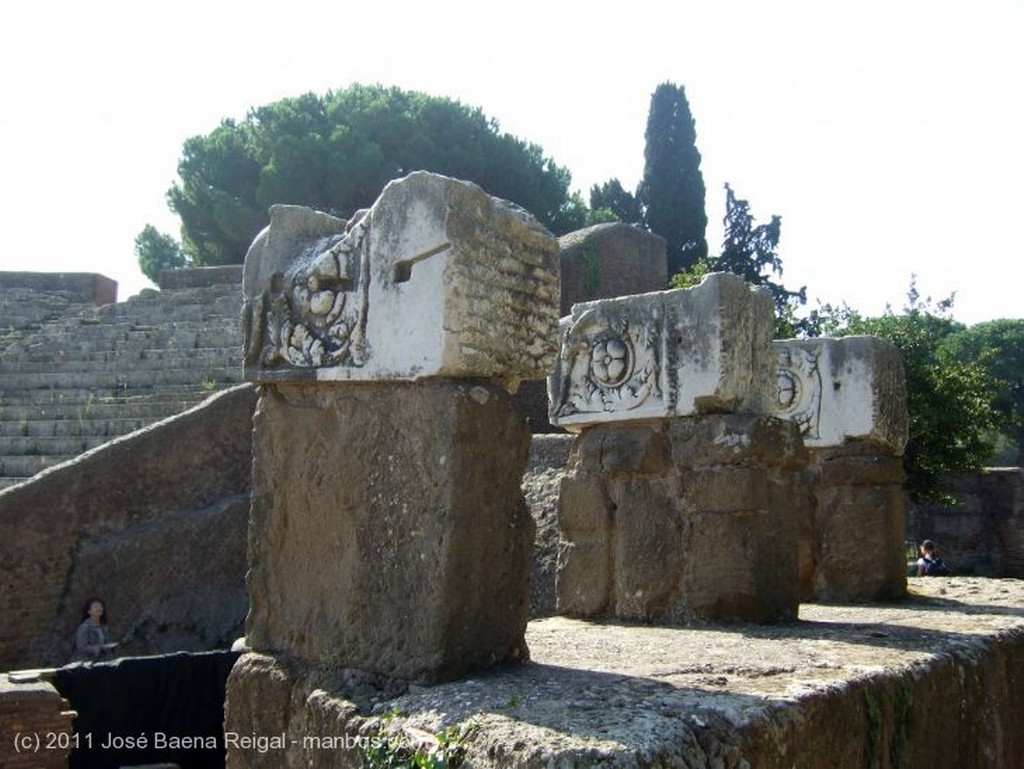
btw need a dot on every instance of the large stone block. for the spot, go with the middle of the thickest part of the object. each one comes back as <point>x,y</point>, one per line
<point>848,397</point>
<point>672,353</point>
<point>858,524</point>
<point>437,278</point>
<point>843,389</point>
<point>388,531</point>
<point>610,260</point>
<point>678,520</point>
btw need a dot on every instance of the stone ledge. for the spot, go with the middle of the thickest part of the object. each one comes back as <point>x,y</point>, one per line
<point>201,277</point>
<point>935,680</point>
<point>86,287</point>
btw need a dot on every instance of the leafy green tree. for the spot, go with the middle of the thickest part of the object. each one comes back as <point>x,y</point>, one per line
<point>621,203</point>
<point>948,399</point>
<point>336,152</point>
<point>157,251</point>
<point>998,346</point>
<point>751,251</point>
<point>671,194</point>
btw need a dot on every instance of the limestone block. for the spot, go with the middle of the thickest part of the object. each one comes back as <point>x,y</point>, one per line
<point>843,389</point>
<point>610,260</point>
<point>671,353</point>
<point>437,278</point>
<point>389,532</point>
<point>859,524</point>
<point>677,520</point>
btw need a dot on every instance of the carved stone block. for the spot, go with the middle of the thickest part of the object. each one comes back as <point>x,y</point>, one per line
<point>845,389</point>
<point>437,278</point>
<point>671,353</point>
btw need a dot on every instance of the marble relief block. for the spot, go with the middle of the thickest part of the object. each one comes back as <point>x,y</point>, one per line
<point>437,278</point>
<point>838,390</point>
<point>683,352</point>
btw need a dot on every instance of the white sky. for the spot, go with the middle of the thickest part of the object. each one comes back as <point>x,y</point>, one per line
<point>886,134</point>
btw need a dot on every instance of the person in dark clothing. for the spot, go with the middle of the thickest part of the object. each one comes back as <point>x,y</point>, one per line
<point>929,564</point>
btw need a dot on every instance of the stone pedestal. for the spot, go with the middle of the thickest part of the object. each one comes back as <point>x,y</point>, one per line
<point>388,530</point>
<point>678,520</point>
<point>848,397</point>
<point>859,524</point>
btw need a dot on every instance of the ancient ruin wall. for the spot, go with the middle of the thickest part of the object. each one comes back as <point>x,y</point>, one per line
<point>983,533</point>
<point>86,287</point>
<point>154,522</point>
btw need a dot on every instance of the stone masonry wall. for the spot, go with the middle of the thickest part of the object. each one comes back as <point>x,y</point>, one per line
<point>935,681</point>
<point>154,523</point>
<point>982,534</point>
<point>610,260</point>
<point>74,375</point>
<point>86,287</point>
<point>35,725</point>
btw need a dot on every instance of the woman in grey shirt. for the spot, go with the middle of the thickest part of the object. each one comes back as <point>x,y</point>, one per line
<point>91,640</point>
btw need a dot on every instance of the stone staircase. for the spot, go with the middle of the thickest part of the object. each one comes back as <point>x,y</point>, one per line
<point>74,375</point>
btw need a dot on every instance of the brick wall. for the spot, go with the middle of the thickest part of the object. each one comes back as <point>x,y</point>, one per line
<point>35,726</point>
<point>152,522</point>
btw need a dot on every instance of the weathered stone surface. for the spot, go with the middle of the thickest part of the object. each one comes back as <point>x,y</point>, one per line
<point>681,520</point>
<point>84,286</point>
<point>600,262</point>
<point>848,397</point>
<point>151,522</point>
<point>610,260</point>
<point>851,525</point>
<point>30,709</point>
<point>436,279</point>
<point>195,277</point>
<point>388,529</point>
<point>846,687</point>
<point>843,389</point>
<point>673,353</point>
<point>983,532</point>
<point>541,483</point>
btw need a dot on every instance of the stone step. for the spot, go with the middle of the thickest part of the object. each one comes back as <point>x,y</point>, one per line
<point>133,408</point>
<point>75,427</point>
<point>57,446</point>
<point>145,359</point>
<point>119,378</point>
<point>100,338</point>
<point>41,398</point>
<point>25,467</point>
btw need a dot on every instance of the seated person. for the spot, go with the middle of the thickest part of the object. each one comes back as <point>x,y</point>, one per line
<point>929,564</point>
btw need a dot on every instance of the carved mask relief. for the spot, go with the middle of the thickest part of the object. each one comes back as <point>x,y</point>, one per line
<point>315,313</point>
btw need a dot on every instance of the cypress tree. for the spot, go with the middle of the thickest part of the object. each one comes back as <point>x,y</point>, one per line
<point>672,191</point>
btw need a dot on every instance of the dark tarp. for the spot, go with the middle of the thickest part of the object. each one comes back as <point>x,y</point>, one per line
<point>172,703</point>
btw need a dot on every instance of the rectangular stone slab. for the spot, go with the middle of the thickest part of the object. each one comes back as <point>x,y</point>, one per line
<point>845,389</point>
<point>670,353</point>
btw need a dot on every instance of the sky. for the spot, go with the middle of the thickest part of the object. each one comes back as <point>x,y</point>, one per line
<point>887,135</point>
